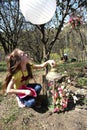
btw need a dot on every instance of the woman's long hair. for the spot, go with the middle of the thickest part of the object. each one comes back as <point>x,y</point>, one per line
<point>14,65</point>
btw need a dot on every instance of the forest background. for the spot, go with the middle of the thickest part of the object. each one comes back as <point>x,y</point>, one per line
<point>53,38</point>
<point>66,33</point>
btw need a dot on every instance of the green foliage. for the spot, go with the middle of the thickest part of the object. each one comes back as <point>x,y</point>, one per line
<point>1,98</point>
<point>2,66</point>
<point>71,67</point>
<point>0,85</point>
<point>55,56</point>
<point>85,101</point>
<point>10,119</point>
<point>76,71</point>
<point>82,81</point>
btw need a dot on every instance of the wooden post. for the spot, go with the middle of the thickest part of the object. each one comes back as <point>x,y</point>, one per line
<point>44,82</point>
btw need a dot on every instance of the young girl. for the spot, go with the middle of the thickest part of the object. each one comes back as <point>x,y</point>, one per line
<point>17,79</point>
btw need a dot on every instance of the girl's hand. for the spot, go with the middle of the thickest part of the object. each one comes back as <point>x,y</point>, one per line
<point>31,92</point>
<point>28,92</point>
<point>52,63</point>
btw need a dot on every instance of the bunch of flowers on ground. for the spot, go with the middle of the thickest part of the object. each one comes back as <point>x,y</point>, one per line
<point>60,97</point>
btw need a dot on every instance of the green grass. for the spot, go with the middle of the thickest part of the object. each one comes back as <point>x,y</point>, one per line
<point>10,119</point>
<point>82,81</point>
<point>75,71</point>
<point>74,65</point>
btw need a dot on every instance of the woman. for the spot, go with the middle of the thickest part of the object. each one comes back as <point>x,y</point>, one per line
<point>17,79</point>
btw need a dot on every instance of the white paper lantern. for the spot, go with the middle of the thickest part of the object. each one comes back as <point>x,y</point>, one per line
<point>38,11</point>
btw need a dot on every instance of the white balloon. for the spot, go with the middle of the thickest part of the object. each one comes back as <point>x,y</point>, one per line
<point>38,11</point>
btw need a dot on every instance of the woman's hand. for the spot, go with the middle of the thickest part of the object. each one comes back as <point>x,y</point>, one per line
<point>52,63</point>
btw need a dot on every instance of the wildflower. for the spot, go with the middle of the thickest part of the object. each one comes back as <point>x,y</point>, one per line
<point>56,95</point>
<point>75,99</point>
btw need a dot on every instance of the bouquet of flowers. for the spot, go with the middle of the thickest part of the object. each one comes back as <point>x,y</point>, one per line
<point>60,96</point>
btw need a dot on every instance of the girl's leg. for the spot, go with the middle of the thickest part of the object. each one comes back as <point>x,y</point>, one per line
<point>35,86</point>
<point>28,101</point>
<point>20,104</point>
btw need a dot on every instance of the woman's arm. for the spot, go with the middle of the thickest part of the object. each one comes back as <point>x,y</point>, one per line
<point>11,90</point>
<point>50,62</point>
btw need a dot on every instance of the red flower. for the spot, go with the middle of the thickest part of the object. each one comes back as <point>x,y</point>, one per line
<point>56,95</point>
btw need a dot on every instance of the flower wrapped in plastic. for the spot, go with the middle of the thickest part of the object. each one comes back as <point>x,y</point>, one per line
<point>59,97</point>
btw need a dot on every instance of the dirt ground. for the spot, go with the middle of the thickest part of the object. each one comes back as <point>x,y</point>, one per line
<point>14,118</point>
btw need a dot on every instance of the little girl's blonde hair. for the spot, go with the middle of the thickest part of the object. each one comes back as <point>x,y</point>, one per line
<point>13,66</point>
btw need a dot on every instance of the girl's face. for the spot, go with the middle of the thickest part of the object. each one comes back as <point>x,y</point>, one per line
<point>24,56</point>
